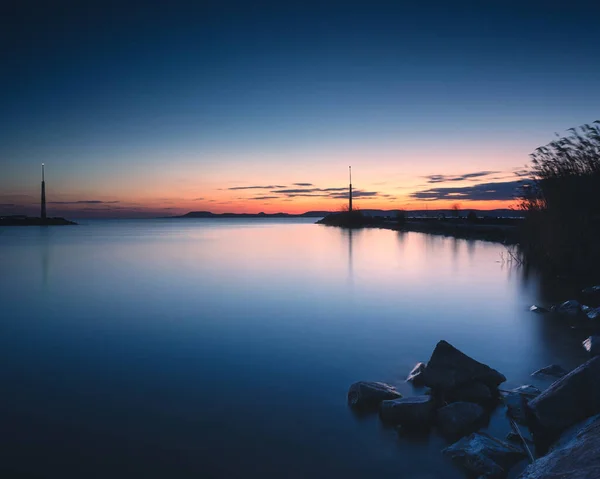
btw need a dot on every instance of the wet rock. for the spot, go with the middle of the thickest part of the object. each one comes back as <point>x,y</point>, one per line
<point>593,313</point>
<point>416,375</point>
<point>460,418</point>
<point>514,438</point>
<point>567,401</point>
<point>484,456</point>
<point>368,395</point>
<point>527,390</point>
<point>449,368</point>
<point>553,370</point>
<point>538,309</point>
<point>571,307</point>
<point>412,412</point>
<point>592,345</point>
<point>591,290</point>
<point>516,402</point>
<point>575,456</point>
<point>474,392</point>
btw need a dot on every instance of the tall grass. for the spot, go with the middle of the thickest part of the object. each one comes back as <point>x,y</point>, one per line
<point>562,204</point>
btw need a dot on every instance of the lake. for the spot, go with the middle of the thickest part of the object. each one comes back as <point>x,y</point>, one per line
<point>224,348</point>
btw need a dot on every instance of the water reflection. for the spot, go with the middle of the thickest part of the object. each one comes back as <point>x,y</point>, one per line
<point>161,338</point>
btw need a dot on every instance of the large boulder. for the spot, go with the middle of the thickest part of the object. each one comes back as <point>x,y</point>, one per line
<point>516,401</point>
<point>592,345</point>
<point>567,401</point>
<point>368,395</point>
<point>554,370</point>
<point>460,418</point>
<point>412,413</point>
<point>449,368</point>
<point>575,456</point>
<point>416,375</point>
<point>484,456</point>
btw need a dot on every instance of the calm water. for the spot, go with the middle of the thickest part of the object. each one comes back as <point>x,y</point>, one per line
<point>224,348</point>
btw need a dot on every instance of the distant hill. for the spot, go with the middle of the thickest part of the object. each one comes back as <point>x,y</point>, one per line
<point>208,214</point>
<point>502,213</point>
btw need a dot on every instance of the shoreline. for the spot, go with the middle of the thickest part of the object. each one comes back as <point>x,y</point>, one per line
<point>505,234</point>
<point>502,231</point>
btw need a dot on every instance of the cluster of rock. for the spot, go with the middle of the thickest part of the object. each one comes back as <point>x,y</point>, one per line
<point>463,392</point>
<point>572,307</point>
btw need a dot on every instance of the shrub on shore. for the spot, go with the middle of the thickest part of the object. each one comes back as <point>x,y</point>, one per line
<point>562,204</point>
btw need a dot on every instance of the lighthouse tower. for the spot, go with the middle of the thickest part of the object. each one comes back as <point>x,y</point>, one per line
<point>43,195</point>
<point>350,190</point>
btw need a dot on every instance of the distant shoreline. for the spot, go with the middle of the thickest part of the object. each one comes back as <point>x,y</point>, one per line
<point>498,230</point>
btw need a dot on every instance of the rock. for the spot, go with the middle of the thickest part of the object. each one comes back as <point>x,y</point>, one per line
<point>416,375</point>
<point>515,407</point>
<point>412,412</point>
<point>538,309</point>
<point>527,390</point>
<point>592,345</point>
<point>483,455</point>
<point>460,418</point>
<point>571,306</point>
<point>368,395</point>
<point>591,290</point>
<point>475,392</point>
<point>514,438</point>
<point>576,456</point>
<point>567,401</point>
<point>516,402</point>
<point>449,368</point>
<point>553,370</point>
<point>593,313</point>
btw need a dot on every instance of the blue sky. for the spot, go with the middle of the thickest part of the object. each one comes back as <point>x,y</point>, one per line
<point>154,105</point>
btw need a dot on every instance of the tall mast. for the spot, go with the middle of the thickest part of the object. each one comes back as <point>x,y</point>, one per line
<point>43,215</point>
<point>350,190</point>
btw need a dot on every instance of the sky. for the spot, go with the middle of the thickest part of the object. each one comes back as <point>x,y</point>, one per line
<point>159,108</point>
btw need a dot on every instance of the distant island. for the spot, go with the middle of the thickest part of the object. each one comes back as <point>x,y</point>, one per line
<point>208,214</point>
<point>19,220</point>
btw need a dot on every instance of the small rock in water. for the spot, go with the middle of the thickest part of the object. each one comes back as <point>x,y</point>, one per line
<point>413,412</point>
<point>593,313</point>
<point>516,439</point>
<point>592,345</point>
<point>527,390</point>
<point>368,395</point>
<point>591,289</point>
<point>460,418</point>
<point>416,375</point>
<point>553,370</point>
<point>571,306</point>
<point>538,309</point>
<point>484,456</point>
<point>516,400</point>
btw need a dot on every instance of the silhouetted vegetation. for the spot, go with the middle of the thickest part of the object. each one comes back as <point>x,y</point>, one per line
<point>472,217</point>
<point>562,204</point>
